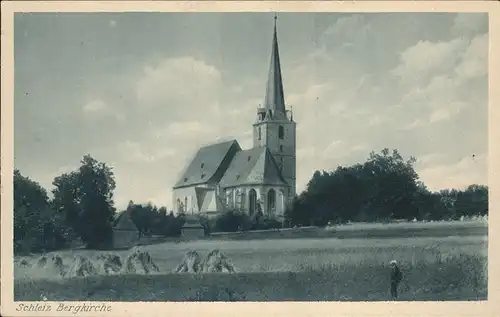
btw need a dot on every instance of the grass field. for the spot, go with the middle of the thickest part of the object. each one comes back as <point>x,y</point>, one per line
<point>308,269</point>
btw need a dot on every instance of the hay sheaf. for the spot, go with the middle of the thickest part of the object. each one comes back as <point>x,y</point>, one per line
<point>24,262</point>
<point>191,263</point>
<point>81,266</point>
<point>110,263</point>
<point>140,262</point>
<point>42,261</point>
<point>52,263</point>
<point>215,261</point>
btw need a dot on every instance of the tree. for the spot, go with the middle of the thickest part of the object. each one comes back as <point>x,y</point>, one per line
<point>85,196</point>
<point>381,188</point>
<point>36,226</point>
<point>473,201</point>
<point>145,217</point>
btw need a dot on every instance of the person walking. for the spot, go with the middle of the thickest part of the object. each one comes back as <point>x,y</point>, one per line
<point>396,277</point>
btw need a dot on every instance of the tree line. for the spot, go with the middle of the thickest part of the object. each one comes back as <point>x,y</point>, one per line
<point>383,188</point>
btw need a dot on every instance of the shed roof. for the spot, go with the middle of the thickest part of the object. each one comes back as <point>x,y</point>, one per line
<point>123,221</point>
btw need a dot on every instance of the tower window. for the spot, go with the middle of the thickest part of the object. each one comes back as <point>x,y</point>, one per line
<point>281,132</point>
<point>260,133</point>
<point>281,148</point>
<point>202,164</point>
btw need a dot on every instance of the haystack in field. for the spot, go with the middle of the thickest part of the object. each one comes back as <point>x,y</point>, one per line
<point>140,262</point>
<point>47,263</point>
<point>57,263</point>
<point>42,261</point>
<point>191,263</point>
<point>81,266</point>
<point>111,263</point>
<point>24,262</point>
<point>216,261</point>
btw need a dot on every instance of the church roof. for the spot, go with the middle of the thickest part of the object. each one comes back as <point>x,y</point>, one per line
<point>275,100</point>
<point>208,164</point>
<point>253,166</point>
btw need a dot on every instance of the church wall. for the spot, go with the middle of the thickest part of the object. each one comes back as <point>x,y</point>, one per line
<point>281,193</point>
<point>289,159</point>
<point>283,150</point>
<point>183,195</point>
<point>208,205</point>
<point>263,135</point>
<point>262,196</point>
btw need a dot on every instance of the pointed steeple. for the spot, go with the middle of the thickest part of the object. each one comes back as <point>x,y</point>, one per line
<point>275,100</point>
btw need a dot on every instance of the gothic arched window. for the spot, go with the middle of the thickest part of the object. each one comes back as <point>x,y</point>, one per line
<point>252,201</point>
<point>271,201</point>
<point>260,133</point>
<point>281,132</point>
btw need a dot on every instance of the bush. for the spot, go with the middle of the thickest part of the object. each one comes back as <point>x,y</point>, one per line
<point>208,224</point>
<point>232,221</point>
<point>266,223</point>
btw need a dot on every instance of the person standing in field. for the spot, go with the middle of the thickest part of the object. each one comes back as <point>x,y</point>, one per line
<point>396,277</point>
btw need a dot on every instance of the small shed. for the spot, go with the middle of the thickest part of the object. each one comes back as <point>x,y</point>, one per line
<point>192,228</point>
<point>125,232</point>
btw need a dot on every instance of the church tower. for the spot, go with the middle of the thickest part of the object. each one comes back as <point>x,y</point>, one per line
<point>275,128</point>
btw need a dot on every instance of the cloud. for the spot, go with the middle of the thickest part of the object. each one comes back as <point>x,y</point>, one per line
<point>377,120</point>
<point>467,24</point>
<point>305,153</point>
<point>425,59</point>
<point>184,129</point>
<point>334,149</point>
<point>99,108</point>
<point>184,81</point>
<point>348,32</point>
<point>95,106</point>
<point>474,62</point>
<point>416,123</point>
<point>135,152</point>
<point>465,172</point>
<point>439,74</point>
<point>429,158</point>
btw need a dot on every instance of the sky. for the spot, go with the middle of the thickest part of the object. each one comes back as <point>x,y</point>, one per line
<point>143,91</point>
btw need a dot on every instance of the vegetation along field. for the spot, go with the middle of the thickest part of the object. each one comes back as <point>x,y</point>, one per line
<point>322,253</point>
<point>446,268</point>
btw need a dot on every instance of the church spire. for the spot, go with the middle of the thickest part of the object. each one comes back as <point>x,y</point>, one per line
<point>275,100</point>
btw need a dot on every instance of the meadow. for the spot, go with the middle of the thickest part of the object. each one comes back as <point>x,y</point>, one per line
<point>306,269</point>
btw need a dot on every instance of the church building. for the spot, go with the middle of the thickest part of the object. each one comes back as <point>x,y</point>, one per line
<point>223,176</point>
